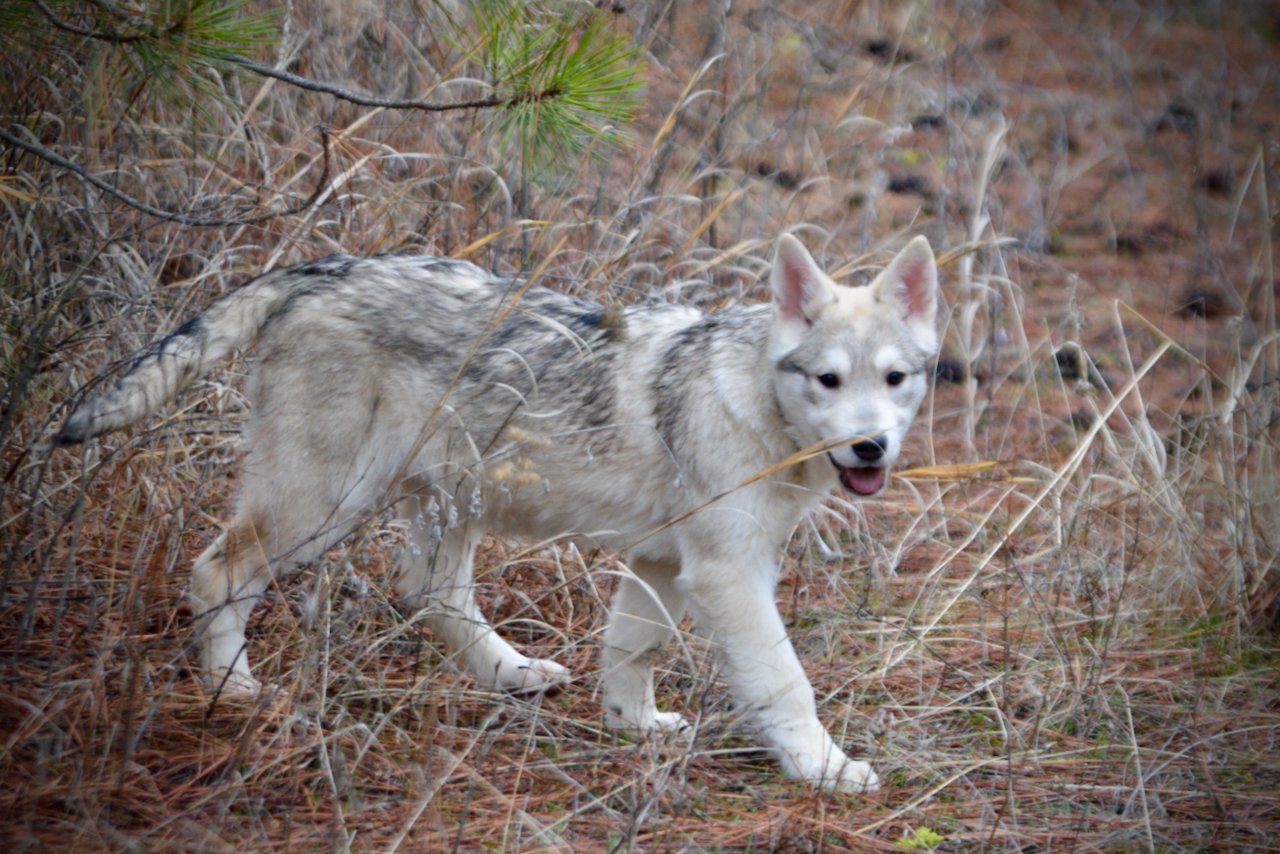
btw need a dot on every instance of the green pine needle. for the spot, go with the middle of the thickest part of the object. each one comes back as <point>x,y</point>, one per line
<point>569,80</point>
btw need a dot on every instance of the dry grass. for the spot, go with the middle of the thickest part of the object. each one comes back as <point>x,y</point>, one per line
<point>1072,649</point>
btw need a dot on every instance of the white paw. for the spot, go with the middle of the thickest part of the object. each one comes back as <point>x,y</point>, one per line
<point>234,683</point>
<point>648,722</point>
<point>825,766</point>
<point>531,675</point>
<point>852,777</point>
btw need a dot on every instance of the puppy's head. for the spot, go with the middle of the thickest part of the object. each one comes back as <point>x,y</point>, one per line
<point>849,363</point>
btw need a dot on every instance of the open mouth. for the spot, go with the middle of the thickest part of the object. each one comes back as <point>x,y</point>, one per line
<point>863,480</point>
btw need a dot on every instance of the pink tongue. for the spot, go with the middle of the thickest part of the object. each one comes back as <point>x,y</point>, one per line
<point>864,481</point>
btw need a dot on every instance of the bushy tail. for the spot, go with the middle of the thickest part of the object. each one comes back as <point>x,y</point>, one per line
<point>163,369</point>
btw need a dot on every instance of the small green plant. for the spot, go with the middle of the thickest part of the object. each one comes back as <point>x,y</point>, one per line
<point>921,839</point>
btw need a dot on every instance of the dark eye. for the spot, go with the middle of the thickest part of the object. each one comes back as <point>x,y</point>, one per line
<point>895,377</point>
<point>829,380</point>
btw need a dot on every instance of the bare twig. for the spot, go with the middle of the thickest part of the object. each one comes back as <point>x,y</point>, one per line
<point>38,150</point>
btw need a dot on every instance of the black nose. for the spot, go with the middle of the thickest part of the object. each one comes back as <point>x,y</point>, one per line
<point>870,450</point>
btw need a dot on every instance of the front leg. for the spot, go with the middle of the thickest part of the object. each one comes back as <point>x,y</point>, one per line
<point>734,608</point>
<point>646,611</point>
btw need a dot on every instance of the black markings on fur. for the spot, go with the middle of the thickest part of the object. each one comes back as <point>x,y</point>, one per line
<point>670,391</point>
<point>689,356</point>
<point>788,365</point>
<point>85,421</point>
<point>298,293</point>
<point>325,274</point>
<point>553,350</point>
<point>330,265</point>
<point>578,364</point>
<point>67,436</point>
<point>441,266</point>
<point>194,327</point>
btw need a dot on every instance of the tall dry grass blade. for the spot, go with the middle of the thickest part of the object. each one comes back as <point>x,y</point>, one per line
<point>1058,477</point>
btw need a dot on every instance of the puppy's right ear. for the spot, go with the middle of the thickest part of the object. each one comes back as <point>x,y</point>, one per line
<point>800,288</point>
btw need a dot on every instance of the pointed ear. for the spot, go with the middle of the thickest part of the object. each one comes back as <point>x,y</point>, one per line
<point>910,283</point>
<point>800,288</point>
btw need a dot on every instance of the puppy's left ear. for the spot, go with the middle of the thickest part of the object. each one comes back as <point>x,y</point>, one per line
<point>910,284</point>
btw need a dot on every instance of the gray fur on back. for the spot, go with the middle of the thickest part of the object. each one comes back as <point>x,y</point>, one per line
<point>487,342</point>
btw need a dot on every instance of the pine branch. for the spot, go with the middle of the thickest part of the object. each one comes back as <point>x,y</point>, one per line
<point>558,80</point>
<point>370,101</point>
<point>149,34</point>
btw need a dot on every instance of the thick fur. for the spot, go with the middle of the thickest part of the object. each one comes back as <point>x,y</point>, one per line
<point>480,403</point>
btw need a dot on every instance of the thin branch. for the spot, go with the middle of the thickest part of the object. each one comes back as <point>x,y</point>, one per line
<point>88,32</point>
<point>79,171</point>
<point>385,103</point>
<point>113,37</point>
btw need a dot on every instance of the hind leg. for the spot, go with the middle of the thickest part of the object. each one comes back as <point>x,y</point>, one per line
<point>226,582</point>
<point>229,578</point>
<point>645,612</point>
<point>437,576</point>
<point>292,508</point>
<point>323,448</point>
